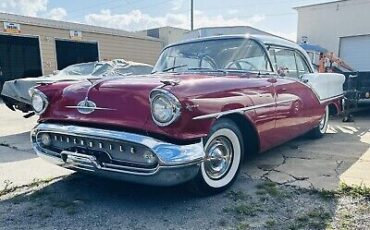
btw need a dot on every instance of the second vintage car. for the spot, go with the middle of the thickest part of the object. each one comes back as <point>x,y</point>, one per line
<point>210,103</point>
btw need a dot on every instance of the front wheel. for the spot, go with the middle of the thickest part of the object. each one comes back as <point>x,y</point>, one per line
<point>320,130</point>
<point>224,148</point>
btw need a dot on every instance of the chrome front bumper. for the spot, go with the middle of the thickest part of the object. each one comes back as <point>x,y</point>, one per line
<point>176,163</point>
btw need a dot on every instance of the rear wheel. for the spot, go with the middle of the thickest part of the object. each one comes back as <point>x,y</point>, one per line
<point>320,130</point>
<point>224,153</point>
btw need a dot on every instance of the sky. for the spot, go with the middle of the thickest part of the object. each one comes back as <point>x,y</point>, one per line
<point>274,16</point>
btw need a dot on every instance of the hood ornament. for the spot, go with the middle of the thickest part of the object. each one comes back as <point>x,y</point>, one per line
<point>87,106</point>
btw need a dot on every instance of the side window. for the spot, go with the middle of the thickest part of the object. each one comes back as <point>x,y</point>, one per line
<point>286,63</point>
<point>301,65</point>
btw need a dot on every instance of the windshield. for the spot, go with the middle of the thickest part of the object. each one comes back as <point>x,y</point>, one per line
<point>77,70</point>
<point>236,54</point>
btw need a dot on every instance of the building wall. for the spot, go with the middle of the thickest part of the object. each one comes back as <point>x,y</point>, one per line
<point>110,46</point>
<point>167,35</point>
<point>170,35</point>
<point>324,24</point>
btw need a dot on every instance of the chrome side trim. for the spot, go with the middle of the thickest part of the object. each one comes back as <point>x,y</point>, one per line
<point>87,107</point>
<point>240,110</point>
<point>331,98</point>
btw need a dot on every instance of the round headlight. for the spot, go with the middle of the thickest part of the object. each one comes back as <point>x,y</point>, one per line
<point>39,102</point>
<point>165,107</point>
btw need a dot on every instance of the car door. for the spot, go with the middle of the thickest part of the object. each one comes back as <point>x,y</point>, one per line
<point>293,98</point>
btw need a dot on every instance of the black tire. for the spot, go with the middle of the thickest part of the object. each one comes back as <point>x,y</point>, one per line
<point>223,135</point>
<point>320,130</point>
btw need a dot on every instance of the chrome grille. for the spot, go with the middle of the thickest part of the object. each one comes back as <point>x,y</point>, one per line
<point>106,151</point>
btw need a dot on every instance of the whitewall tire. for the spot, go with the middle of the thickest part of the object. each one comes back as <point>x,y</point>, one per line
<point>321,129</point>
<point>224,153</point>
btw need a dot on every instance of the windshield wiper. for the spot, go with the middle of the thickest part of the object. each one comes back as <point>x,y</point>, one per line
<point>209,69</point>
<point>174,67</point>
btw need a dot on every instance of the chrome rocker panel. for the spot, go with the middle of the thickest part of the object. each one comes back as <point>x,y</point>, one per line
<point>176,163</point>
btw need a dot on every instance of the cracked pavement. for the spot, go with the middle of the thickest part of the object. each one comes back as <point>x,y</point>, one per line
<point>342,155</point>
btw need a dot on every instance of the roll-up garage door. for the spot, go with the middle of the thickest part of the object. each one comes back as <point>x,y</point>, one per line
<point>73,52</point>
<point>19,57</point>
<point>356,51</point>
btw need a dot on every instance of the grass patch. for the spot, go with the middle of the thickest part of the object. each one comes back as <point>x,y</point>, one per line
<point>270,188</point>
<point>238,196</point>
<point>326,194</point>
<point>354,191</point>
<point>242,226</point>
<point>270,224</point>
<point>245,209</point>
<point>314,219</point>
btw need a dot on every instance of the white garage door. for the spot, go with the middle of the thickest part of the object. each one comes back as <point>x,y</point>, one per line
<point>356,52</point>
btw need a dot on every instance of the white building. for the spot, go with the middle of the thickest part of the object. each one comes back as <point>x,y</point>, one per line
<point>167,35</point>
<point>342,27</point>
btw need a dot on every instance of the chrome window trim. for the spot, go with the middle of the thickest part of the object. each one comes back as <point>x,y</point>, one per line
<point>173,98</point>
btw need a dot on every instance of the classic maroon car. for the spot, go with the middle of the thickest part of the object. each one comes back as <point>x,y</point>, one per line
<point>209,104</point>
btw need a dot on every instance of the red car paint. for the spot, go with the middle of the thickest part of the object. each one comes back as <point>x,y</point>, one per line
<point>294,108</point>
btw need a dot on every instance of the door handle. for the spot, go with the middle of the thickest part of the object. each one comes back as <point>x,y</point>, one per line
<point>272,80</point>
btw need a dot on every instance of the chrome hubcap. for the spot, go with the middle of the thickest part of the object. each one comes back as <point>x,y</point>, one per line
<point>219,158</point>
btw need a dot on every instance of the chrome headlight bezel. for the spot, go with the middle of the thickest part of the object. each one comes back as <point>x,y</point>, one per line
<point>38,94</point>
<point>172,99</point>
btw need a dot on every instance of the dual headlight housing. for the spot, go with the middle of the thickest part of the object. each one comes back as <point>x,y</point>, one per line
<point>165,107</point>
<point>39,101</point>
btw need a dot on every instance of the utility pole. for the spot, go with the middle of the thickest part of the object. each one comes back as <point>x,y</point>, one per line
<point>192,14</point>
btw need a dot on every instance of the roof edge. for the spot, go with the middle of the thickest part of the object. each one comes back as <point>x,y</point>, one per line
<point>319,4</point>
<point>65,25</point>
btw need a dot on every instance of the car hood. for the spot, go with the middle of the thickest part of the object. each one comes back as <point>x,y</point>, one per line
<point>119,101</point>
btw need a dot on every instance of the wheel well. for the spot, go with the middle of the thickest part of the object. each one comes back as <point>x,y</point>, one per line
<point>249,133</point>
<point>333,110</point>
